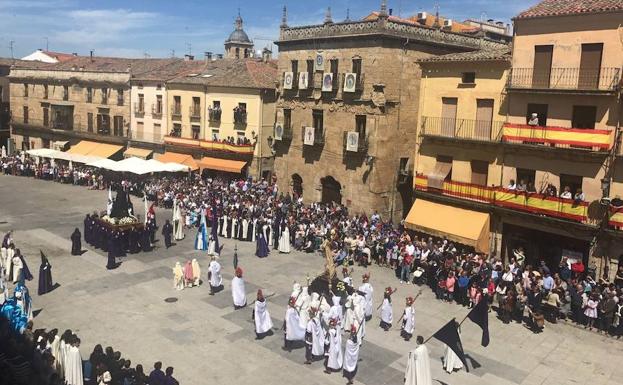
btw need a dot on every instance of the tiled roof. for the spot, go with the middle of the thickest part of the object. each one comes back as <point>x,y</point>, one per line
<point>5,61</point>
<point>168,69</point>
<point>239,73</point>
<point>428,22</point>
<point>571,7</point>
<point>503,54</point>
<point>60,56</point>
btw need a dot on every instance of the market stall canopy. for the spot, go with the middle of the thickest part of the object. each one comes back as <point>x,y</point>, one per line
<point>226,165</point>
<point>55,154</point>
<point>137,152</point>
<point>174,157</point>
<point>468,227</point>
<point>106,164</point>
<point>102,150</point>
<point>168,167</point>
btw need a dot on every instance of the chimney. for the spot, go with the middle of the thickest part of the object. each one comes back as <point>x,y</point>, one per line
<point>91,55</point>
<point>266,55</point>
<point>208,56</point>
<point>391,11</point>
<point>188,57</point>
<point>74,54</point>
<point>219,56</point>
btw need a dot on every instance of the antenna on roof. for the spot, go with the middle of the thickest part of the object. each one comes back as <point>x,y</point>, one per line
<point>189,46</point>
<point>172,52</point>
<point>146,55</point>
<point>11,47</point>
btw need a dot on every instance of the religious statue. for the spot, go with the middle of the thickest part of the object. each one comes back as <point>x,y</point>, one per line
<point>329,264</point>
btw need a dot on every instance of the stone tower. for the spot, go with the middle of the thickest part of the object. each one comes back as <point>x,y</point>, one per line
<point>238,45</point>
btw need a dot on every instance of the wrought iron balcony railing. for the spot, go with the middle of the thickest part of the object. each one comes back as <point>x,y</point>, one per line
<point>578,79</point>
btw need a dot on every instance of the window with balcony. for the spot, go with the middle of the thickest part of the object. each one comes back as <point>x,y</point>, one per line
<point>89,95</point>
<point>294,65</point>
<point>177,106</point>
<point>104,95</point>
<point>215,135</point>
<point>157,132</point>
<point>526,179</point>
<point>441,173</point>
<point>214,111</point>
<point>360,126</point>
<point>176,130</point>
<point>448,116</point>
<point>334,68</point>
<point>572,183</point>
<point>584,117</point>
<point>357,69</point>
<point>287,119</point>
<point>65,92</point>
<point>480,172</point>
<point>25,90</point>
<point>103,124</point>
<point>196,131</point>
<point>310,73</point>
<point>46,116</point>
<point>536,114</point>
<point>318,120</point>
<point>89,122</point>
<point>240,114</point>
<point>120,97</point>
<point>118,126</point>
<point>45,91</point>
<point>140,107</point>
<point>590,66</point>
<point>195,109</point>
<point>158,110</point>
<point>25,109</point>
<point>542,67</point>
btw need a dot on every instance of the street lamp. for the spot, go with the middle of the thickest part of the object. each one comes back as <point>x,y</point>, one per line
<point>605,187</point>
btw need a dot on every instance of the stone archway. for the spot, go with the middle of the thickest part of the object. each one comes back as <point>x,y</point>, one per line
<point>331,190</point>
<point>297,185</point>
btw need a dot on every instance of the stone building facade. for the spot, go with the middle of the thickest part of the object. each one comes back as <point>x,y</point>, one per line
<point>381,107</point>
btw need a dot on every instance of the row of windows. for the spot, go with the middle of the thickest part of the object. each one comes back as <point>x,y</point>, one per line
<point>63,121</point>
<point>214,133</point>
<point>104,93</point>
<point>333,64</point>
<point>318,121</point>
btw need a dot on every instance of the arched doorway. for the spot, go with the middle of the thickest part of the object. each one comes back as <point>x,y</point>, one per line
<point>331,190</point>
<point>297,185</point>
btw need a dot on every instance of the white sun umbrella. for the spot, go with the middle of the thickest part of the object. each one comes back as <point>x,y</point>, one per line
<point>135,166</point>
<point>106,164</point>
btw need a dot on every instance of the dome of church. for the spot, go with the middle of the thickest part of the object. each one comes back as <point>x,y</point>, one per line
<point>239,36</point>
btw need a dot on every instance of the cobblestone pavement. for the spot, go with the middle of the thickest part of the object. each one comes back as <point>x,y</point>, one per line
<point>207,341</point>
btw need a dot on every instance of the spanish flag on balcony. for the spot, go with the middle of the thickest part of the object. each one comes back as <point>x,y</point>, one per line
<point>601,139</point>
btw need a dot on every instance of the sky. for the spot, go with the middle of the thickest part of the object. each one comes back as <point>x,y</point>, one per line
<point>162,28</point>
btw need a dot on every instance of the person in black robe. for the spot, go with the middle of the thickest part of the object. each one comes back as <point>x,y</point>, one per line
<point>146,240</point>
<point>133,244</point>
<point>87,229</point>
<point>45,275</point>
<point>76,242</point>
<point>167,231</point>
<point>112,263</point>
<point>119,245</point>
<point>104,238</point>
<point>261,246</point>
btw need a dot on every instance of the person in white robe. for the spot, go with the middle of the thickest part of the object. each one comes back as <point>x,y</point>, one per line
<point>73,371</point>
<point>349,315</point>
<point>17,268</point>
<point>254,232</point>
<point>360,316</point>
<point>178,276</point>
<point>55,349</point>
<point>294,333</point>
<point>284,240</point>
<point>224,227</point>
<point>10,252</point>
<point>261,316</point>
<point>214,276</point>
<point>245,228</point>
<point>351,356</point>
<point>418,365</point>
<point>314,338</point>
<point>178,221</point>
<point>211,246</point>
<point>238,293</point>
<point>451,361</point>
<point>334,351</point>
<point>336,312</point>
<point>348,280</point>
<point>196,272</point>
<point>366,288</point>
<point>408,320</point>
<point>302,304</point>
<point>3,262</point>
<point>387,313</point>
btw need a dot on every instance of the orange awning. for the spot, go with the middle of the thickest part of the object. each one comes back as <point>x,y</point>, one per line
<point>105,150</point>
<point>137,152</point>
<point>83,147</point>
<point>218,164</point>
<point>444,221</point>
<point>175,157</point>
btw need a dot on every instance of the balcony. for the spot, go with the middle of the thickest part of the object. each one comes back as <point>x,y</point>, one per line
<point>601,80</point>
<point>589,140</point>
<point>176,112</point>
<point>316,140</point>
<point>240,118</point>
<point>139,110</point>
<point>461,129</point>
<point>156,111</point>
<point>195,113</point>
<point>361,147</point>
<point>532,203</point>
<point>214,114</point>
<point>209,145</point>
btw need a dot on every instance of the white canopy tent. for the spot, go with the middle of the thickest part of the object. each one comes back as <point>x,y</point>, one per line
<point>55,154</point>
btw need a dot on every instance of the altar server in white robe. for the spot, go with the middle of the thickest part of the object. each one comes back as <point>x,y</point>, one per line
<point>178,277</point>
<point>2,259</point>
<point>314,338</point>
<point>238,293</point>
<point>214,276</point>
<point>387,312</point>
<point>351,356</point>
<point>451,361</point>
<point>212,246</point>
<point>418,365</point>
<point>367,288</point>
<point>303,301</point>
<point>55,348</point>
<point>224,227</point>
<point>17,268</point>
<point>360,316</point>
<point>284,240</point>
<point>349,315</point>
<point>408,320</point>
<point>73,371</point>
<point>334,348</point>
<point>294,333</point>
<point>261,316</point>
<point>178,221</point>
<point>196,272</point>
<point>336,312</point>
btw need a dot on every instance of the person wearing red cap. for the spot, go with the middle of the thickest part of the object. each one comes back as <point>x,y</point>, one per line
<point>238,293</point>
<point>314,338</point>
<point>333,348</point>
<point>367,290</point>
<point>261,316</point>
<point>294,333</point>
<point>408,321</point>
<point>351,356</point>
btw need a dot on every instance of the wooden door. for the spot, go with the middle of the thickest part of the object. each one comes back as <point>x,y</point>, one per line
<point>590,66</point>
<point>484,118</point>
<point>542,67</point>
<point>448,116</point>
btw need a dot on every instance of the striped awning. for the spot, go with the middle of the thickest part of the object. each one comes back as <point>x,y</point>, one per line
<point>225,165</point>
